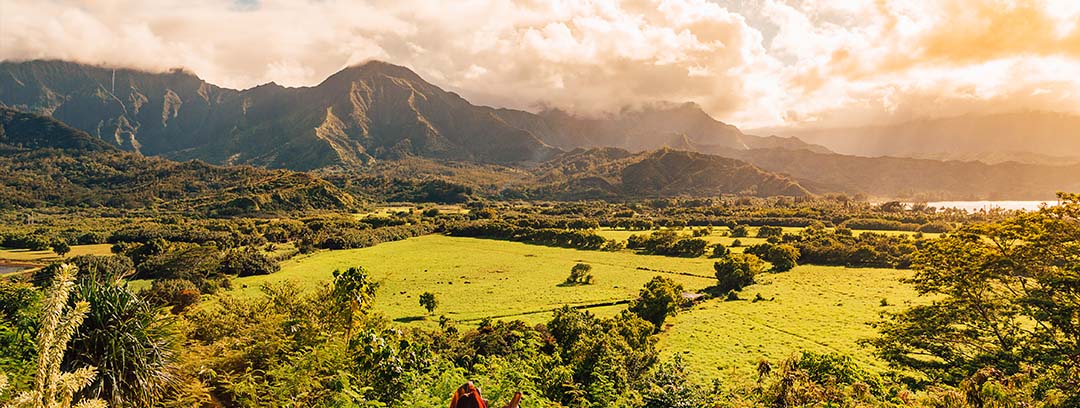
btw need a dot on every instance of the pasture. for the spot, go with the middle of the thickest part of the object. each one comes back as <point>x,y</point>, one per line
<point>813,308</point>
<point>479,278</point>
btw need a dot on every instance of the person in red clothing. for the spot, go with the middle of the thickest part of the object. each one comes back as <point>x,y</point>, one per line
<point>468,396</point>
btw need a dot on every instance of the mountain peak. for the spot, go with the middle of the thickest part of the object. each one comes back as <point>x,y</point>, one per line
<point>373,68</point>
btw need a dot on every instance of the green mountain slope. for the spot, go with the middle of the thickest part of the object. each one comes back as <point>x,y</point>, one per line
<point>646,128</point>
<point>46,163</point>
<point>372,110</point>
<point>615,173</point>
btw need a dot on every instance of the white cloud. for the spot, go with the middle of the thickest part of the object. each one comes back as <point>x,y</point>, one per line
<point>829,62</point>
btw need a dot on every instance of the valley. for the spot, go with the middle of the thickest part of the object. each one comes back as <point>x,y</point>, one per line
<point>375,235</point>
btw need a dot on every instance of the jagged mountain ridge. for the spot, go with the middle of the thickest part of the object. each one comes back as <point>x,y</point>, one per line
<point>371,110</point>
<point>47,163</point>
<point>683,126</point>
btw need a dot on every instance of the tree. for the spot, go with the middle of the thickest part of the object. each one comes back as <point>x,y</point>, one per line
<point>580,274</point>
<point>61,248</point>
<point>783,257</point>
<point>737,271</point>
<point>354,294</point>
<point>661,297</point>
<point>670,387</point>
<point>52,387</point>
<point>1006,295</point>
<point>719,250</point>
<point>766,231</point>
<point>247,262</point>
<point>739,231</point>
<point>428,301</point>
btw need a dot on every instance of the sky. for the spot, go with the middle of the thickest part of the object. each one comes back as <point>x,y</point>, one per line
<point>767,63</point>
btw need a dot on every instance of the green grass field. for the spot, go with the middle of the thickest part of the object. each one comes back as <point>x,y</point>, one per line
<point>815,308</point>
<point>24,260</point>
<point>26,255</point>
<point>477,278</point>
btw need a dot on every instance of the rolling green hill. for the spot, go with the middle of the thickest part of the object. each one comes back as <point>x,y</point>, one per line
<point>47,163</point>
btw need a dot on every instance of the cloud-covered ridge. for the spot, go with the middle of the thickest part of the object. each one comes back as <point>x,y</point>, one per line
<point>796,62</point>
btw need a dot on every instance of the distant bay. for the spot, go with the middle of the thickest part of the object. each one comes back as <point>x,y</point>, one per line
<point>988,205</point>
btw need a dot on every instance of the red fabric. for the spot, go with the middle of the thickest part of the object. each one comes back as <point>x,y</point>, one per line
<point>467,396</point>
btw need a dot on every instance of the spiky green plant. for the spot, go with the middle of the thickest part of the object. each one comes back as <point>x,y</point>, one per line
<point>131,344</point>
<point>54,388</point>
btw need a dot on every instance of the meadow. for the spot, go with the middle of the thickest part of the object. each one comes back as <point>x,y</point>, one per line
<point>812,308</point>
<point>478,278</point>
<point>24,260</point>
<point>823,309</point>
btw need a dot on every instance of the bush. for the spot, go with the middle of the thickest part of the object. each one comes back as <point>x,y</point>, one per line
<point>580,274</point>
<point>90,267</point>
<point>719,251</point>
<point>736,271</point>
<point>660,298</point>
<point>199,264</point>
<point>247,262</point>
<point>935,227</point>
<point>739,231</point>
<point>783,257</point>
<point>767,231</point>
<point>668,243</point>
<point>176,293</point>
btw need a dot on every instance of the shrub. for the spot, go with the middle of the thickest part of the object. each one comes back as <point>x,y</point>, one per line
<point>739,231</point>
<point>176,293</point>
<point>660,298</point>
<point>935,227</point>
<point>736,271</point>
<point>247,262</point>
<point>719,251</point>
<point>580,274</point>
<point>768,231</point>
<point>783,257</point>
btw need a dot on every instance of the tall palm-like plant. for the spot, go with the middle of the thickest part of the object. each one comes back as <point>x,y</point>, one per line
<point>354,294</point>
<point>54,388</point>
<point>128,340</point>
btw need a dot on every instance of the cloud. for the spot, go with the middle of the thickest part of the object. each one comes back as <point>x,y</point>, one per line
<point>886,61</point>
<point>822,61</point>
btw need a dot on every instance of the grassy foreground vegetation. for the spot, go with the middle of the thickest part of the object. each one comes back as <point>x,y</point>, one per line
<point>400,307</point>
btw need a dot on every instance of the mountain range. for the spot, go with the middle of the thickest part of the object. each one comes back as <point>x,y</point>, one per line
<point>47,163</point>
<point>382,120</point>
<point>1036,137</point>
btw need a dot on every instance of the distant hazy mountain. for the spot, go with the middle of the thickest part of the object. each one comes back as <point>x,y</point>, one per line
<point>1028,137</point>
<point>617,173</point>
<point>907,178</point>
<point>683,126</point>
<point>371,110</point>
<point>383,111</point>
<point>47,163</point>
